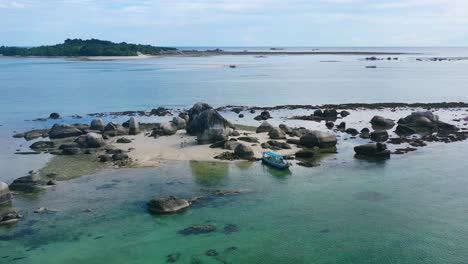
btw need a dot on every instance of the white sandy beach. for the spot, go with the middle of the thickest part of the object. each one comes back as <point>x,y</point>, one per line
<point>148,152</point>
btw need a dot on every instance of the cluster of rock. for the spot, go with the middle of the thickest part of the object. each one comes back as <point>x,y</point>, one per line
<point>327,114</point>
<point>8,216</point>
<point>373,150</point>
<point>207,124</point>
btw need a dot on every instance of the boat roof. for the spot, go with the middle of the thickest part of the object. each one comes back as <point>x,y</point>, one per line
<point>273,154</point>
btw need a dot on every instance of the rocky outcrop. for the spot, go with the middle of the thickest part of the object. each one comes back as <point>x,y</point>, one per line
<point>123,141</point>
<point>30,183</point>
<point>377,150</point>
<point>133,126</point>
<point>165,205</point>
<point>54,116</point>
<point>248,139</point>
<point>244,151</point>
<point>160,111</point>
<point>351,131</point>
<point>40,145</point>
<point>231,145</point>
<point>91,140</point>
<point>277,133</point>
<point>5,194</point>
<point>207,124</point>
<point>9,216</point>
<point>264,127</point>
<point>164,129</point>
<point>179,122</point>
<point>318,139</point>
<point>424,122</point>
<point>263,116</point>
<point>97,124</point>
<point>379,135</point>
<point>286,129</point>
<point>64,131</point>
<point>113,129</point>
<point>278,145</point>
<point>381,122</point>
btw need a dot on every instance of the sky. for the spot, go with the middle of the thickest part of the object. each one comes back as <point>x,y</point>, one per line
<point>223,23</point>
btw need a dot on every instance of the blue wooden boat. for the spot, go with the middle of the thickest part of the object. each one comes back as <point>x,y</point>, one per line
<point>275,160</point>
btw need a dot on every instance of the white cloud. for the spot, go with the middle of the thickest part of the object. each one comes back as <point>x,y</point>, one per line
<point>14,4</point>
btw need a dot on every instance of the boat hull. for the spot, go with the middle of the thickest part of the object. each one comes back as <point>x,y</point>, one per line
<point>275,165</point>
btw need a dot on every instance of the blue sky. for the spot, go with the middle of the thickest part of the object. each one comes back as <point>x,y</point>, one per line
<point>238,22</point>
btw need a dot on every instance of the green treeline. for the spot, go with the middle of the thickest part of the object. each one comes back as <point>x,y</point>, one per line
<point>91,47</point>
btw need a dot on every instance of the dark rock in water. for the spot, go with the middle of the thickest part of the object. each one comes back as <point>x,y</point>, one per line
<point>305,153</point>
<point>71,151</point>
<point>286,129</point>
<point>278,144</point>
<point>230,249</point>
<point>97,124</point>
<point>230,228</point>
<point>123,141</point>
<point>329,125</point>
<point>5,194</point>
<point>377,150</point>
<point>91,140</point>
<point>379,136</point>
<point>113,129</point>
<point>351,131</point>
<point>30,183</point>
<point>105,158</point>
<point>330,113</point>
<point>119,156</point>
<point>318,139</point>
<point>211,253</point>
<point>344,113</point>
<point>276,133</point>
<point>164,129</point>
<point>179,122</point>
<point>54,116</point>
<point>160,111</point>
<point>263,116</point>
<point>64,131</point>
<point>241,115</point>
<point>165,205</point>
<point>197,229</point>
<point>133,126</point>
<point>318,112</point>
<point>244,152</point>
<point>445,127</point>
<point>207,124</point>
<point>43,145</point>
<point>9,217</point>
<point>341,126</point>
<point>264,127</point>
<point>381,122</point>
<point>173,257</point>
<point>248,139</point>
<point>404,130</point>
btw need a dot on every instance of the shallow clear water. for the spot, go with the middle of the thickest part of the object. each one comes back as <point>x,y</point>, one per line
<point>410,209</point>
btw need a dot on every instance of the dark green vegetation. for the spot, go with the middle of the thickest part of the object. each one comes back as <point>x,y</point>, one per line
<point>91,47</point>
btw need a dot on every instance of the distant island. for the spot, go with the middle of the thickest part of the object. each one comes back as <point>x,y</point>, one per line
<point>95,49</point>
<point>91,47</point>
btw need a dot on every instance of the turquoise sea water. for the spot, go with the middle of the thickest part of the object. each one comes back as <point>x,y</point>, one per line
<point>410,209</point>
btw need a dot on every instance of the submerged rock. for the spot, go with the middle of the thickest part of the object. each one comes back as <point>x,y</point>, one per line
<point>377,150</point>
<point>305,153</point>
<point>197,229</point>
<point>379,136</point>
<point>9,217</point>
<point>164,205</point>
<point>318,139</point>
